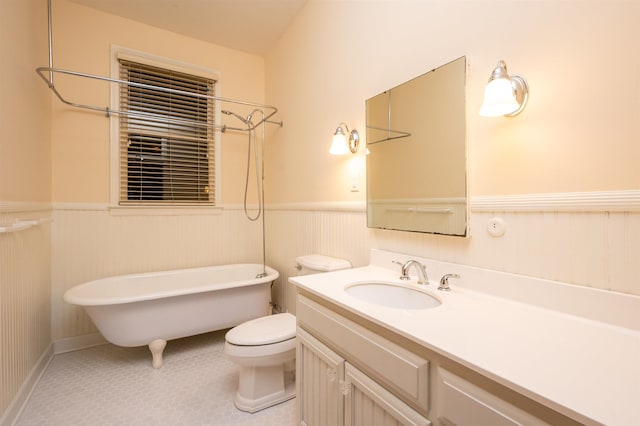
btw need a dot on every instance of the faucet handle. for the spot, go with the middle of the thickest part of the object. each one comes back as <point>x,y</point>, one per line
<point>403,270</point>
<point>444,281</point>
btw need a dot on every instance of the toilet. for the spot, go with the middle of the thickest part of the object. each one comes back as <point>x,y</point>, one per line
<point>264,348</point>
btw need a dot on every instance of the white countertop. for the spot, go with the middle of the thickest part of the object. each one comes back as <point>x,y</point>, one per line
<point>584,368</point>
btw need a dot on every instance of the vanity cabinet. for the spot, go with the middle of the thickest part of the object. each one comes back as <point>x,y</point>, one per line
<point>362,379</point>
<point>353,372</point>
<point>331,391</point>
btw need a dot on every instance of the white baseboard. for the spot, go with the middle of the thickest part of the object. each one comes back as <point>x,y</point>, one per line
<point>12,413</point>
<point>79,342</point>
<point>17,405</point>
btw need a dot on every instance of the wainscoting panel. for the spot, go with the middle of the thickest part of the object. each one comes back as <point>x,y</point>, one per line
<point>590,248</point>
<point>293,233</point>
<point>584,246</point>
<point>25,315</point>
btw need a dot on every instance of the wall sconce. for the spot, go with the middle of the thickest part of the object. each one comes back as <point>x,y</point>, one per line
<point>504,94</point>
<point>339,145</point>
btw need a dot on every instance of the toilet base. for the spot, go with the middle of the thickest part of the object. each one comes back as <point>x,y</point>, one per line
<point>246,399</point>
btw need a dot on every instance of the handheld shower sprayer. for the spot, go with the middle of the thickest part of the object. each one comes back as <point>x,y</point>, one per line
<point>246,121</point>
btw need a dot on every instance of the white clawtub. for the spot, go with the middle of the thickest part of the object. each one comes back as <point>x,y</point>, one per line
<point>151,308</point>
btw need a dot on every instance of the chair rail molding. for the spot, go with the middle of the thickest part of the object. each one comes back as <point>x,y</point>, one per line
<point>598,201</point>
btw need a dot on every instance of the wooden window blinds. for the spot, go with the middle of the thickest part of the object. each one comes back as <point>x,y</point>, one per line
<point>167,154</point>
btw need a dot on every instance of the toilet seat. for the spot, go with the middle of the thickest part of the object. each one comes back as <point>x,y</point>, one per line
<point>238,352</point>
<point>262,331</point>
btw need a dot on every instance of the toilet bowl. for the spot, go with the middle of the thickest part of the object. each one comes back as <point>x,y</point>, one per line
<point>264,349</point>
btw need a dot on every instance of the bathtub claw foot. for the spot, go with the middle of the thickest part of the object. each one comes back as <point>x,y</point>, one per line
<point>156,347</point>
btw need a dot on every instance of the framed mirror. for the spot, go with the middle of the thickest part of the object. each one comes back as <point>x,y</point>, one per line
<point>416,158</point>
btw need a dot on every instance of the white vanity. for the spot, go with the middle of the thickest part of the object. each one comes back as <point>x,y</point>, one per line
<point>498,349</point>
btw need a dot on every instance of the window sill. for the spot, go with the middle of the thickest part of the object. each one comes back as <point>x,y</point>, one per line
<point>164,211</point>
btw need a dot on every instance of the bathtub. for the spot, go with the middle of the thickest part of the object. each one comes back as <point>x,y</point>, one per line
<point>151,308</point>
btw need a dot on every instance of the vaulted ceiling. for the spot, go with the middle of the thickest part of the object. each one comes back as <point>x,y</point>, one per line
<point>249,25</point>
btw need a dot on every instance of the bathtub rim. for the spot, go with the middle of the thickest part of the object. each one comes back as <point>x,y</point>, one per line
<point>71,295</point>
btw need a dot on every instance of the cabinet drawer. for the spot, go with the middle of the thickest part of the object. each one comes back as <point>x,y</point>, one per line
<point>403,372</point>
<point>463,403</point>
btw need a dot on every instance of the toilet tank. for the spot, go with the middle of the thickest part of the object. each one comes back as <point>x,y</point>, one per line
<point>316,263</point>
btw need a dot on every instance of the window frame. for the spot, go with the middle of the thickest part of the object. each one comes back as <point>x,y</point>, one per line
<point>119,52</point>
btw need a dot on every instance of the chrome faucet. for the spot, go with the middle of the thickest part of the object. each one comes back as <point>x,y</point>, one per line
<point>422,271</point>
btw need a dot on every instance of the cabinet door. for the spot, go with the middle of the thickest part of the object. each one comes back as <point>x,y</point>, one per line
<point>369,404</point>
<point>318,378</point>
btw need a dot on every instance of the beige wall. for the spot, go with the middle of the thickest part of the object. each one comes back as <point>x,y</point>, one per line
<point>580,131</point>
<point>578,137</point>
<point>25,192</point>
<point>25,152</point>
<point>82,42</point>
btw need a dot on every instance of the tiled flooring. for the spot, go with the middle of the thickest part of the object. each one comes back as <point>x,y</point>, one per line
<point>111,385</point>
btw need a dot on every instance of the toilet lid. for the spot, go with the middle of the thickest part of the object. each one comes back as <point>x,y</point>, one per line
<point>263,331</point>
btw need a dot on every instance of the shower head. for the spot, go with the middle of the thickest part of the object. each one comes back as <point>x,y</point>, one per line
<point>239,117</point>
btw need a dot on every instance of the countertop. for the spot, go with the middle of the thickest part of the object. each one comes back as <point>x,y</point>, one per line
<point>584,368</point>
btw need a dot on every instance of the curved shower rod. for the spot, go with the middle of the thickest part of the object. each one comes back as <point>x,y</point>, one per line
<point>108,111</point>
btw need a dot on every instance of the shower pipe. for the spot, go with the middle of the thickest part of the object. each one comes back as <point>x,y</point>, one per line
<point>108,111</point>
<point>259,173</point>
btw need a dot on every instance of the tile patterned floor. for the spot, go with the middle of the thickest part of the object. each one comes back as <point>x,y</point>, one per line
<point>111,385</point>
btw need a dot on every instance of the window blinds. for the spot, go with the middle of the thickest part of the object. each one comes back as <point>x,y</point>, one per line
<point>166,138</point>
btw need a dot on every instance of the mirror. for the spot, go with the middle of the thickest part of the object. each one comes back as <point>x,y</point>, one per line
<point>416,160</point>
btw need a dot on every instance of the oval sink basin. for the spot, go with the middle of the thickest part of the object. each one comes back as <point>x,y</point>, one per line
<point>392,295</point>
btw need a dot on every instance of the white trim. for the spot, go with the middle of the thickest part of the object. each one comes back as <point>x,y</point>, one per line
<point>350,206</point>
<point>597,201</point>
<point>164,211</point>
<point>184,209</point>
<point>127,54</point>
<point>12,413</point>
<point>138,211</point>
<point>81,206</point>
<point>114,128</point>
<point>628,200</point>
<point>20,206</point>
<point>76,343</point>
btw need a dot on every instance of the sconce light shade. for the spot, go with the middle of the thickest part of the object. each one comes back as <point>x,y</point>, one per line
<point>504,94</point>
<point>339,145</point>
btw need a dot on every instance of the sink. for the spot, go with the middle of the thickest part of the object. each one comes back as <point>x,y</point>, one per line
<point>392,295</point>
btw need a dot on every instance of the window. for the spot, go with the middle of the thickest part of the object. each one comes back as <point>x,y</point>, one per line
<point>166,147</point>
